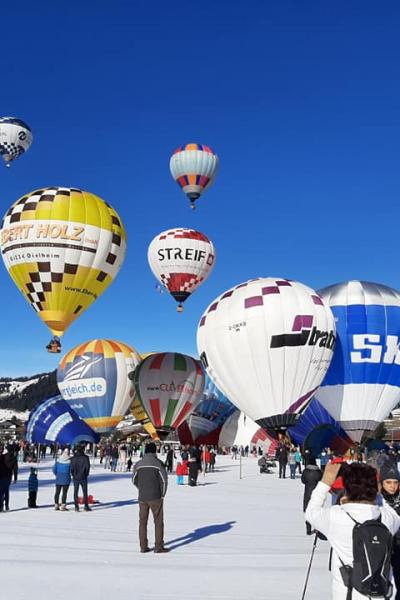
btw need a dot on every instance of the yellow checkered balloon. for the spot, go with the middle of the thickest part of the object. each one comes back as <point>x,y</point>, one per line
<point>62,247</point>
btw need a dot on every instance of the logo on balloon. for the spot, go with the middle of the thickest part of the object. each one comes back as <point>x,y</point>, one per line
<point>186,387</point>
<point>83,388</point>
<point>303,333</point>
<point>373,348</point>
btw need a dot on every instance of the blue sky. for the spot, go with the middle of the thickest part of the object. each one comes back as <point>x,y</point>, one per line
<point>301,101</point>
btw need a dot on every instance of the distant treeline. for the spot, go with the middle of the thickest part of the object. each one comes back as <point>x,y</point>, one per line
<point>31,395</point>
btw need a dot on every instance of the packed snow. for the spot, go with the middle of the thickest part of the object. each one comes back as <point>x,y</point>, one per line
<point>230,539</point>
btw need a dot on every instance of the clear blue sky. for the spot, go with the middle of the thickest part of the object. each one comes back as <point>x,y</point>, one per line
<point>301,101</point>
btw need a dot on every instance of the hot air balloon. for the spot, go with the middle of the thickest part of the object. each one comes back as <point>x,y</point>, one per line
<point>169,386</point>
<point>15,138</point>
<point>181,259</point>
<point>238,430</point>
<point>194,167</point>
<point>53,421</point>
<point>362,385</point>
<point>267,345</point>
<point>93,379</point>
<point>317,429</point>
<point>62,247</point>
<point>267,443</point>
<point>205,422</point>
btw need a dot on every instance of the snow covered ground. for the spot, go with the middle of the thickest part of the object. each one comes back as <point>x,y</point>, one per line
<point>231,539</point>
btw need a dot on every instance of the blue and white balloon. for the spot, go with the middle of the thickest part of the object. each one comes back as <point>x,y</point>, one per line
<point>54,422</point>
<point>211,413</point>
<point>362,385</point>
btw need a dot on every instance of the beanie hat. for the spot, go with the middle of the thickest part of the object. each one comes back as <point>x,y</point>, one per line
<point>150,448</point>
<point>389,471</point>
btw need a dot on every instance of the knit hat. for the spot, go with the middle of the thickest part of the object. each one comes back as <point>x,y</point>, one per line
<point>389,471</point>
<point>150,448</point>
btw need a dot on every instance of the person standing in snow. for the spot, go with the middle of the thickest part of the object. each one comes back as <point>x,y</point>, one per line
<point>390,491</point>
<point>169,460</point>
<point>33,486</point>
<point>337,522</point>
<point>292,463</point>
<point>80,469</point>
<point>310,477</point>
<point>282,456</point>
<point>298,459</point>
<point>151,479</point>
<point>62,471</point>
<point>6,470</point>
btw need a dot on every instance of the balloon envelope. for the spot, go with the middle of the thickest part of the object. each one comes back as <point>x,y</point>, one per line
<point>194,167</point>
<point>267,344</point>
<point>15,138</point>
<point>169,386</point>
<point>362,385</point>
<point>62,247</point>
<point>53,421</point>
<point>317,429</point>
<point>93,379</point>
<point>181,259</point>
<point>210,414</point>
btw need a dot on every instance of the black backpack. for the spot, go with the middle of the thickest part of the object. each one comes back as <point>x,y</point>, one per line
<point>372,550</point>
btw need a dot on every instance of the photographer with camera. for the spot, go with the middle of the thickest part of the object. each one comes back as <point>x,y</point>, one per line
<point>359,531</point>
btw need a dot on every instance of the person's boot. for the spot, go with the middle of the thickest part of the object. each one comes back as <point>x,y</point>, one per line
<point>161,550</point>
<point>63,507</point>
<point>56,507</point>
<point>76,508</point>
<point>87,509</point>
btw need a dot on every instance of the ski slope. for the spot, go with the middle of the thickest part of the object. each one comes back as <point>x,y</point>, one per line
<point>231,539</point>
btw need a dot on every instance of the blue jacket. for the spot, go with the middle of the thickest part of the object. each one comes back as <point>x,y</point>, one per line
<point>62,471</point>
<point>33,483</point>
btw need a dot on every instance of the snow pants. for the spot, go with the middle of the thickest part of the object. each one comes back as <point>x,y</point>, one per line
<point>282,469</point>
<point>396,568</point>
<point>4,493</point>
<point>32,499</point>
<point>157,509</point>
<point>64,490</point>
<point>83,485</point>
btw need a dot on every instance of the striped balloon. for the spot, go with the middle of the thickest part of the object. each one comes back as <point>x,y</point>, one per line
<point>93,379</point>
<point>169,386</point>
<point>194,167</point>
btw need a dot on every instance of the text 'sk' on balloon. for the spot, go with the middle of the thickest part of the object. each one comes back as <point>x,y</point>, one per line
<point>267,345</point>
<point>169,386</point>
<point>362,385</point>
<point>62,247</point>
<point>181,259</point>
<point>93,379</point>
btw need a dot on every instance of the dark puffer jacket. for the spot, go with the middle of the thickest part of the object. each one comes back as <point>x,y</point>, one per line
<point>80,467</point>
<point>150,477</point>
<point>310,477</point>
<point>394,501</point>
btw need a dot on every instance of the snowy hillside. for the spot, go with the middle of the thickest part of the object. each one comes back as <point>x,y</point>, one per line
<point>21,394</point>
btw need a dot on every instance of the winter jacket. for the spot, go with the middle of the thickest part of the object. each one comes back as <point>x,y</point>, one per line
<point>62,471</point>
<point>310,477</point>
<point>33,483</point>
<point>7,466</point>
<point>292,458</point>
<point>394,501</point>
<point>150,477</point>
<point>282,454</point>
<point>80,467</point>
<point>338,528</point>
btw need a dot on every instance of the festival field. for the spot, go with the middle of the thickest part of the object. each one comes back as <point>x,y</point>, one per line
<point>229,539</point>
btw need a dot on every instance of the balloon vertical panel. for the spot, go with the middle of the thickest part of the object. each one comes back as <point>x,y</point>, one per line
<point>362,385</point>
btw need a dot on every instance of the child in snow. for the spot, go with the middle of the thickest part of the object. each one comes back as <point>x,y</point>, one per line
<point>129,464</point>
<point>179,473</point>
<point>33,486</point>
